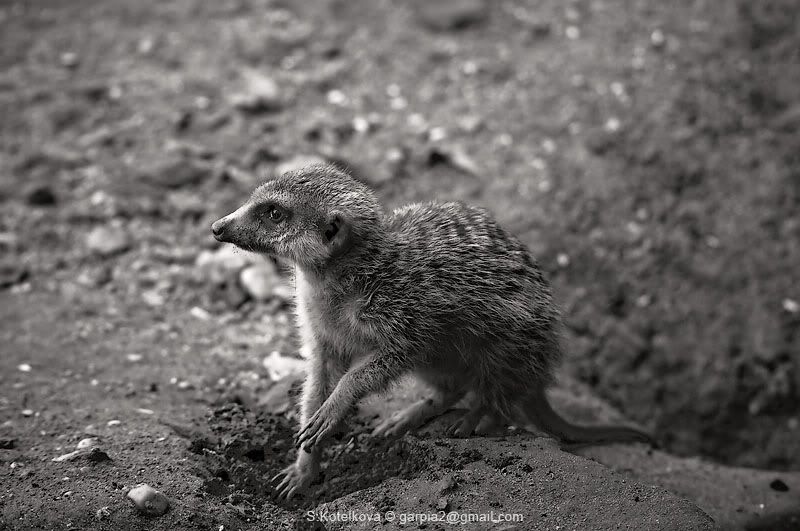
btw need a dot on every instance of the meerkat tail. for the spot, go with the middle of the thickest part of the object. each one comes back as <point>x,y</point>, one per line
<point>542,414</point>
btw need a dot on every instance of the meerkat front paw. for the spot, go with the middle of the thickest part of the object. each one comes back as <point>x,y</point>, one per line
<point>319,426</point>
<point>295,478</point>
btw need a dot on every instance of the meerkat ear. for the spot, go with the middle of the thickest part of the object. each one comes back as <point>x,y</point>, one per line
<point>337,232</point>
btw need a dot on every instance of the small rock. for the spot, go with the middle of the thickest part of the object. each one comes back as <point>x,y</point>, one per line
<point>298,162</point>
<point>148,500</point>
<point>8,444</point>
<point>12,274</point>
<point>108,240</point>
<point>470,123</point>
<point>779,485</point>
<point>199,313</point>
<point>223,264</point>
<point>112,423</point>
<point>443,503</point>
<point>95,278</point>
<point>153,298</point>
<point>88,442</point>
<point>791,306</point>
<point>336,97</point>
<point>279,366</point>
<point>69,59</point>
<point>657,39</point>
<point>443,15</point>
<point>41,195</point>
<point>24,367</point>
<point>277,399</point>
<point>176,172</point>
<point>27,412</point>
<point>133,358</point>
<point>261,93</point>
<point>446,484</point>
<point>572,32</point>
<point>67,457</point>
<point>259,280</point>
<point>102,513</point>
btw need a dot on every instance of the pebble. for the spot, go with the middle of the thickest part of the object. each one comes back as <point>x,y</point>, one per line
<point>446,484</point>
<point>259,280</point>
<point>112,423</point>
<point>108,240</point>
<point>27,412</point>
<point>443,15</point>
<point>218,266</point>
<point>261,93</point>
<point>102,513</point>
<point>657,38</point>
<point>779,485</point>
<point>41,195</point>
<point>279,366</point>
<point>95,278</point>
<point>88,442</point>
<point>199,313</point>
<point>148,500</point>
<point>791,306</point>
<point>67,457</point>
<point>470,123</point>
<point>572,32</point>
<point>336,97</point>
<point>24,367</point>
<point>277,398</point>
<point>153,298</point>
<point>12,275</point>
<point>69,59</point>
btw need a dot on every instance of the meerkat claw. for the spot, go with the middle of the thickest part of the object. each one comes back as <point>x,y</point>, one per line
<point>293,481</point>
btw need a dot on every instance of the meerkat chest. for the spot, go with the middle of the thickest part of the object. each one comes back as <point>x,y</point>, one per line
<point>326,319</point>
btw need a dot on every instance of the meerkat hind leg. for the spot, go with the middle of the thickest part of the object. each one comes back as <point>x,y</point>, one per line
<point>464,426</point>
<point>489,424</point>
<point>416,414</point>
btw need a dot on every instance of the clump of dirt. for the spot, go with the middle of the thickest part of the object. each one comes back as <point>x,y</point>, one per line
<point>243,450</point>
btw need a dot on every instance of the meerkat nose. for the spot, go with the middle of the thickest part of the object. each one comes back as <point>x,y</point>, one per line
<point>218,228</point>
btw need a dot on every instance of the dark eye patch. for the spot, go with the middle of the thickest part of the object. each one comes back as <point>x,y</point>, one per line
<point>271,212</point>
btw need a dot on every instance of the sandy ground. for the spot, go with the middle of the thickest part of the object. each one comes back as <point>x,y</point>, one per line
<point>647,153</point>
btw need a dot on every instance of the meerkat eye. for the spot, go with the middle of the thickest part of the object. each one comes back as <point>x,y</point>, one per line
<point>274,214</point>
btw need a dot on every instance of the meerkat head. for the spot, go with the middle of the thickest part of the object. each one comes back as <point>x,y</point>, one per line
<point>307,216</point>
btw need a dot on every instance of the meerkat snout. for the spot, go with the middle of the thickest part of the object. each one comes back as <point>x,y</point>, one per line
<point>218,229</point>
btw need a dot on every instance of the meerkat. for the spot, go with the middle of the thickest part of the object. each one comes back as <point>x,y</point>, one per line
<point>438,290</point>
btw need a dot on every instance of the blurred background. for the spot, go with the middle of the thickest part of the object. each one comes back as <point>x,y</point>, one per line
<point>647,152</point>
